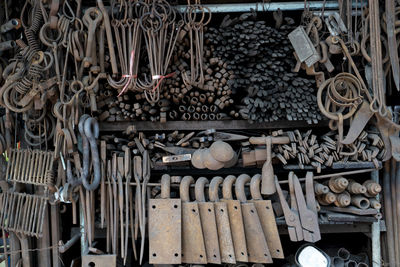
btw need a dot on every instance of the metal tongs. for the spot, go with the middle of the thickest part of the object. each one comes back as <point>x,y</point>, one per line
<point>302,217</point>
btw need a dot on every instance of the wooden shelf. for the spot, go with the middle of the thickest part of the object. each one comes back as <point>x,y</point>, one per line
<point>204,125</point>
<point>184,169</point>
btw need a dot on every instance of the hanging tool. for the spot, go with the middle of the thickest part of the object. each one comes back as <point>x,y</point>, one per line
<point>267,218</point>
<point>235,219</point>
<point>208,223</point>
<point>267,184</point>
<point>224,230</point>
<point>146,177</point>
<point>257,247</point>
<point>193,249</point>
<point>165,227</point>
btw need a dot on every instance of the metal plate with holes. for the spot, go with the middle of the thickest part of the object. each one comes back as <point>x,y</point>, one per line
<point>165,231</point>
<point>193,249</point>
<point>30,167</point>
<point>303,46</point>
<point>176,158</point>
<point>99,261</point>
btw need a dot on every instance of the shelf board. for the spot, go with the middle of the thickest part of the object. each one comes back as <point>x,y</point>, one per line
<point>293,5</point>
<point>183,169</point>
<point>203,125</point>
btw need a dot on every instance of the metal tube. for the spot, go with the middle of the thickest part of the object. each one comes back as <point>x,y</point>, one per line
<point>69,243</point>
<point>55,233</point>
<point>376,231</point>
<point>388,213</point>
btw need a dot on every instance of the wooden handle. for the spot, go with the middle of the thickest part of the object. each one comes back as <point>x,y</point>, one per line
<point>275,140</point>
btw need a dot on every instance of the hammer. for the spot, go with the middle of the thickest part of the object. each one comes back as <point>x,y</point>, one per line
<point>267,174</point>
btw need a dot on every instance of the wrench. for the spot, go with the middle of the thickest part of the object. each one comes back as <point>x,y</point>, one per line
<point>91,19</point>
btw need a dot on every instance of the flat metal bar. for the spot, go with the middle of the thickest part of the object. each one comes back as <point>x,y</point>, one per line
<point>376,232</point>
<point>246,7</point>
<point>201,125</point>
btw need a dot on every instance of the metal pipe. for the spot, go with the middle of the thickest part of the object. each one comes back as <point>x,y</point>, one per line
<point>389,212</point>
<point>55,233</point>
<point>395,200</point>
<point>63,248</point>
<point>376,231</point>
<point>44,258</point>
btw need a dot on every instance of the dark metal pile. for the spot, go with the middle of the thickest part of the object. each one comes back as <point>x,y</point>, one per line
<point>261,59</point>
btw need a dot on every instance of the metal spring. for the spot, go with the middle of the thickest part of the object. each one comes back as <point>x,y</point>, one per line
<point>35,72</point>
<point>50,177</point>
<point>37,18</point>
<point>21,43</point>
<point>23,85</point>
<point>32,41</point>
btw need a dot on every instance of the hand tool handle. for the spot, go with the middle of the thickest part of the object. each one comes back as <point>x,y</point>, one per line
<point>213,189</point>
<point>199,189</point>
<point>239,187</point>
<point>227,187</point>
<point>275,140</point>
<point>165,186</point>
<point>255,187</point>
<point>184,188</point>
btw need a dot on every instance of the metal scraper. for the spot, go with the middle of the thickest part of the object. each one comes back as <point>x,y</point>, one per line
<point>257,246</point>
<point>165,227</point>
<point>193,249</point>
<point>221,216</point>
<point>208,223</point>
<point>235,219</point>
<point>267,218</point>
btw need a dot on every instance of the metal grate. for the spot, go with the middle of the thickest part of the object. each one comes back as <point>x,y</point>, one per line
<point>22,213</point>
<point>30,167</point>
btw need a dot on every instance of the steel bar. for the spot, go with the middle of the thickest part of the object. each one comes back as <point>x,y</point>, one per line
<point>246,7</point>
<point>201,125</point>
<point>376,240</point>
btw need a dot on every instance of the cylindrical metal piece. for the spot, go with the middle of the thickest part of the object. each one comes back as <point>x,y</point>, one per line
<point>360,202</point>
<point>326,199</point>
<point>343,199</point>
<point>10,25</point>
<point>356,188</point>
<point>320,189</point>
<point>337,262</point>
<point>375,204</point>
<point>372,188</point>
<point>343,254</point>
<point>338,184</point>
<point>7,45</point>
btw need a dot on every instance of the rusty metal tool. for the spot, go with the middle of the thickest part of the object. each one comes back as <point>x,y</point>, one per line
<point>103,193</point>
<point>360,120</point>
<point>146,177</point>
<point>137,174</point>
<point>99,260</point>
<point>392,42</point>
<point>223,226</point>
<point>267,218</point>
<point>165,227</point>
<point>193,249</point>
<point>307,208</point>
<point>127,174</point>
<point>257,247</point>
<point>208,223</point>
<point>291,213</point>
<point>235,219</point>
<point>267,184</point>
<point>120,173</point>
<point>114,178</point>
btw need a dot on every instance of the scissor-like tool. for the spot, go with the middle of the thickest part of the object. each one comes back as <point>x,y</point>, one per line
<point>302,217</point>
